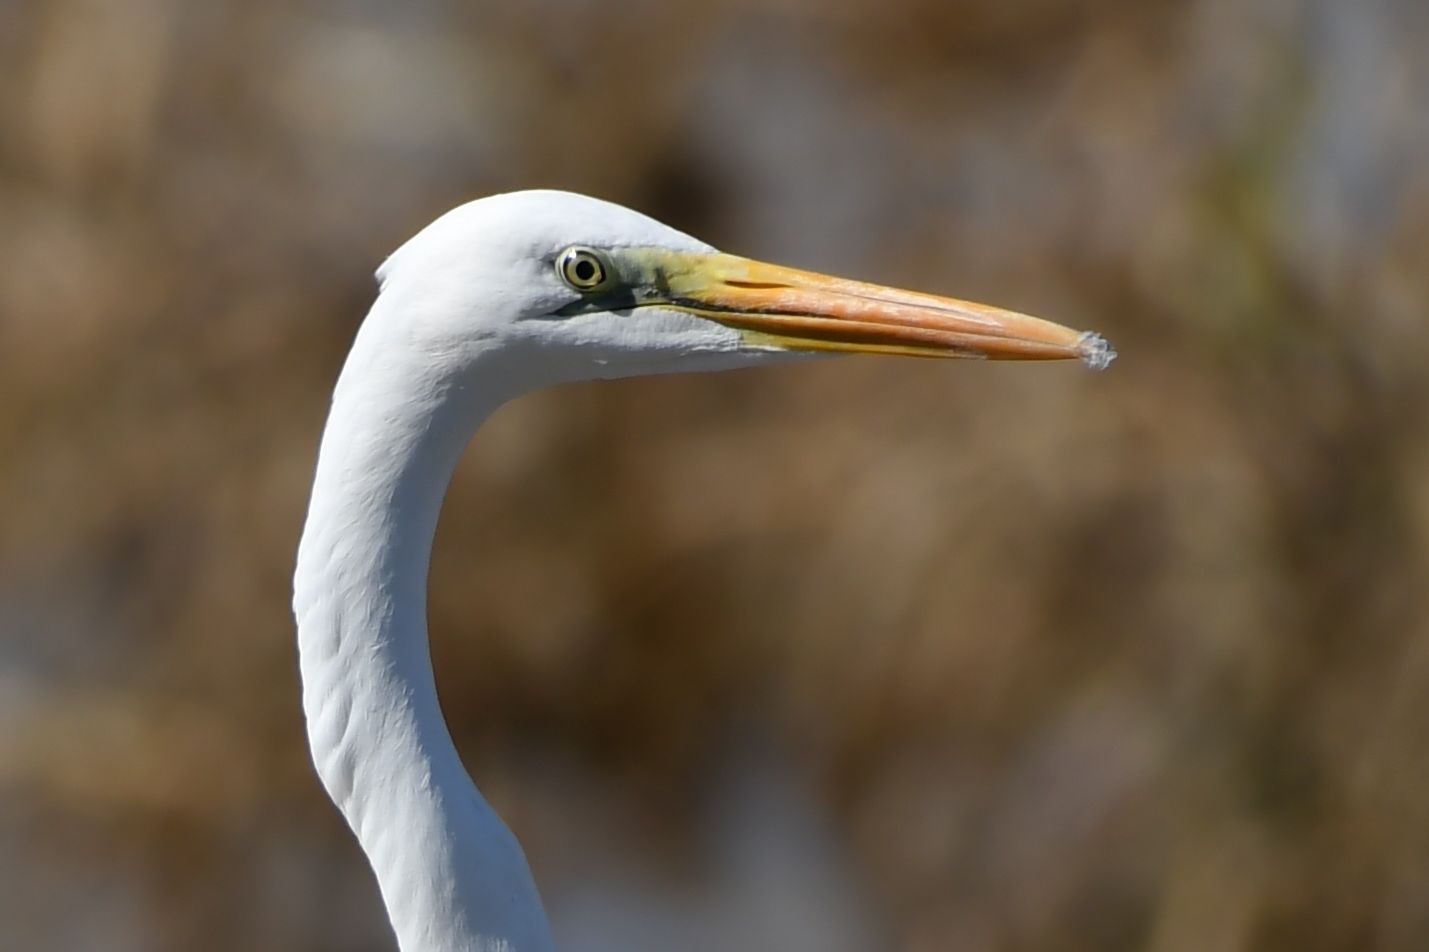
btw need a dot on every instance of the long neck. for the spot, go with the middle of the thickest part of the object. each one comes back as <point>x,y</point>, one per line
<point>452,876</point>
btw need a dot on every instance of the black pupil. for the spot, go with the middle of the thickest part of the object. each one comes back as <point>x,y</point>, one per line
<point>585,269</point>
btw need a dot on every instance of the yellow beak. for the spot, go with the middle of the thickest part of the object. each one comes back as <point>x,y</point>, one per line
<point>803,310</point>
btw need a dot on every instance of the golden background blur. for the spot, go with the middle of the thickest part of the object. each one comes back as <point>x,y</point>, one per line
<point>863,654</point>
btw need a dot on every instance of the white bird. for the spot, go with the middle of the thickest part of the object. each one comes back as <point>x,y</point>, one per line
<point>496,298</point>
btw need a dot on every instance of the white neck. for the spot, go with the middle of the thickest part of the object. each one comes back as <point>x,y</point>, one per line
<point>452,876</point>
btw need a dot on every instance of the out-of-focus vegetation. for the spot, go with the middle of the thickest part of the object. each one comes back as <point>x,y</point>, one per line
<point>860,654</point>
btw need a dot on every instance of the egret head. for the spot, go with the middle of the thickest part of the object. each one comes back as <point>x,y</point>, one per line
<point>586,289</point>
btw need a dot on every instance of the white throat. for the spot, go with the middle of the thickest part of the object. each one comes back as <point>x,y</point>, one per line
<point>452,876</point>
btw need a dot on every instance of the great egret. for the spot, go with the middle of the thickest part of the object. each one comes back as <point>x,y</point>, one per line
<point>496,298</point>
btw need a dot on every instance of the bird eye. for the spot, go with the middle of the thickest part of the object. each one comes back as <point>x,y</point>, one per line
<point>582,268</point>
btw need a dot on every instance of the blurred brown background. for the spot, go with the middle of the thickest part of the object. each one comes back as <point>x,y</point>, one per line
<point>864,654</point>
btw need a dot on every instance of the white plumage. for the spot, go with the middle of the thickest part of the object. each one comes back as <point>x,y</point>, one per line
<point>494,299</point>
